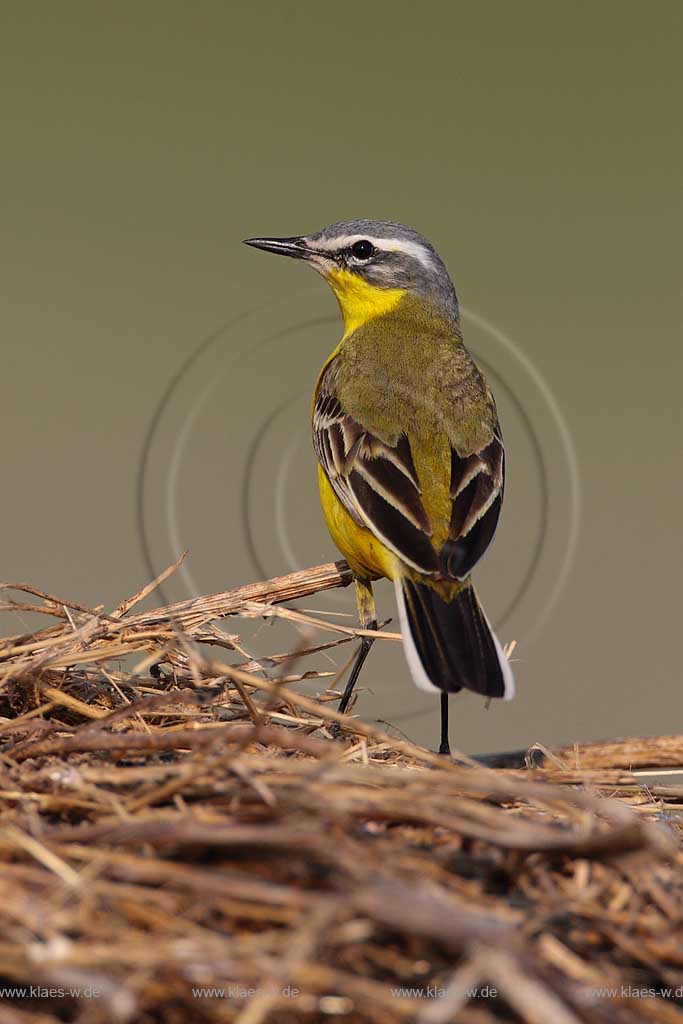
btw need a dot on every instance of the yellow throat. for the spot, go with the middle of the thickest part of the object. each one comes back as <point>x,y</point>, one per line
<point>360,301</point>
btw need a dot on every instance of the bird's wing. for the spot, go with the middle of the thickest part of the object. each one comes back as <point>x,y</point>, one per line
<point>378,486</point>
<point>477,484</point>
<point>375,482</point>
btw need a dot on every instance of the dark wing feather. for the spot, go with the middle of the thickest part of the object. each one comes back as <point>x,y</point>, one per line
<point>477,483</point>
<point>378,486</point>
<point>375,482</point>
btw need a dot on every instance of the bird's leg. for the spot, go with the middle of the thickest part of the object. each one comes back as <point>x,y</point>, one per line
<point>444,746</point>
<point>367,616</point>
<point>365,645</point>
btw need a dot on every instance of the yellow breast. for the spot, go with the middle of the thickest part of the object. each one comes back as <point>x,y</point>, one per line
<point>366,555</point>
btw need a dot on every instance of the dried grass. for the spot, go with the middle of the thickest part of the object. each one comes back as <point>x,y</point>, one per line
<point>203,829</point>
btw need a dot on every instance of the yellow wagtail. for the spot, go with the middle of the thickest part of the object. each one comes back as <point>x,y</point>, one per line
<point>411,459</point>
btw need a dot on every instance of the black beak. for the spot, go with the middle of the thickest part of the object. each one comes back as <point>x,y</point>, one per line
<point>295,246</point>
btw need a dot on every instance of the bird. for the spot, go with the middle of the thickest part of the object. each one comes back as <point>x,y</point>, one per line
<point>411,463</point>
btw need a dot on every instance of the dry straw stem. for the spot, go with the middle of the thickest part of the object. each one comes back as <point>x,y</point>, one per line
<point>167,838</point>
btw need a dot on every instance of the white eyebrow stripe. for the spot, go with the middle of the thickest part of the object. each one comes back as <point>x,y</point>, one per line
<point>405,245</point>
<point>410,248</point>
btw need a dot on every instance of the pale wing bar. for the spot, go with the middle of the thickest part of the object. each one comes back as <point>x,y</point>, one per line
<point>477,484</point>
<point>376,482</point>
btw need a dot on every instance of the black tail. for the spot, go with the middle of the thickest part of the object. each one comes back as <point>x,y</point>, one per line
<point>450,645</point>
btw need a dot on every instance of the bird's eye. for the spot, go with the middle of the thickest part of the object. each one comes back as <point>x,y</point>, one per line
<point>362,249</point>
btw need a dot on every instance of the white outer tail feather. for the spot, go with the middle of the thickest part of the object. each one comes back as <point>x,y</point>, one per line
<point>420,677</point>
<point>505,668</point>
<point>417,671</point>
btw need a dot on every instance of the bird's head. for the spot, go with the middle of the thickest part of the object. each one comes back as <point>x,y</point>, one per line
<point>371,265</point>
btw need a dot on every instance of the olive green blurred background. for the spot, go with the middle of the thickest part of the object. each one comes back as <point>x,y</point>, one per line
<point>537,145</point>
